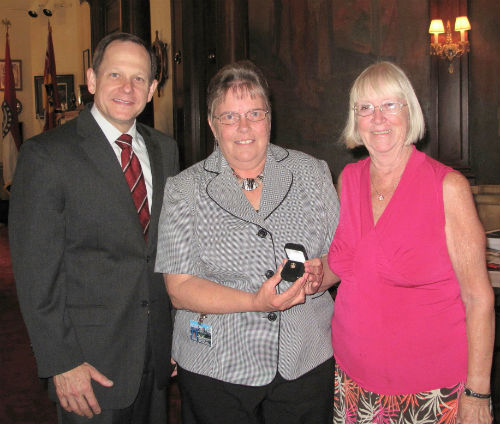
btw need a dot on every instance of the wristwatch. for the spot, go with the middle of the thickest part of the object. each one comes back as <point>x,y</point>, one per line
<point>469,392</point>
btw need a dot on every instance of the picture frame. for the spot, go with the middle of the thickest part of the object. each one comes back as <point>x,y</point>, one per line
<point>85,96</point>
<point>66,89</point>
<point>17,70</point>
<point>86,64</point>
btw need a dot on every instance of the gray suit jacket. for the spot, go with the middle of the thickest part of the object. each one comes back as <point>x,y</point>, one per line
<point>84,274</point>
<point>209,229</point>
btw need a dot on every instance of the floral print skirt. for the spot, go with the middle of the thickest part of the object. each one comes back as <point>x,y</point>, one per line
<point>353,404</point>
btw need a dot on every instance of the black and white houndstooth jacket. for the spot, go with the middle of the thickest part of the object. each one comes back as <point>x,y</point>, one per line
<point>209,229</point>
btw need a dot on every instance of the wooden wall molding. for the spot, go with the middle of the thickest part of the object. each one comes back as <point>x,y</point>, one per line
<point>449,119</point>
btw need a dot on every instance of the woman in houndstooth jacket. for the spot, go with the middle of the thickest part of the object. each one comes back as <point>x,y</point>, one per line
<point>250,346</point>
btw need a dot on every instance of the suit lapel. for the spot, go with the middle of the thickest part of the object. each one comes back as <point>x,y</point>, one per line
<point>100,153</point>
<point>155,163</point>
<point>279,181</point>
<point>224,190</point>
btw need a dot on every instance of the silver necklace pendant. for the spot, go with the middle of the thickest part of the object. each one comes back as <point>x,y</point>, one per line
<point>249,184</point>
<point>380,196</point>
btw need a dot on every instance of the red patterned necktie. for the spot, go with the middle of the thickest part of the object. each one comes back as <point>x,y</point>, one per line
<point>135,178</point>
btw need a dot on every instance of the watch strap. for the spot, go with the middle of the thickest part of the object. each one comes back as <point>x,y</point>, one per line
<point>469,392</point>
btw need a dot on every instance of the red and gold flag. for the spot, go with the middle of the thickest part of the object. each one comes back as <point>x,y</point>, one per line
<point>50,94</point>
<point>11,138</point>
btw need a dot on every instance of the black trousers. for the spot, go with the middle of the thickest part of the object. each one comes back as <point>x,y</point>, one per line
<point>308,399</point>
<point>149,407</point>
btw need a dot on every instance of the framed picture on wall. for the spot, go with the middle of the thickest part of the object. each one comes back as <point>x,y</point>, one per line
<point>16,70</point>
<point>86,64</point>
<point>65,88</point>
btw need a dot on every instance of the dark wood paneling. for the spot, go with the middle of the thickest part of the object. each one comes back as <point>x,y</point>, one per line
<point>206,36</point>
<point>191,49</point>
<point>132,16</point>
<point>311,52</point>
<point>449,123</point>
<point>112,16</point>
<point>495,372</point>
<point>232,34</point>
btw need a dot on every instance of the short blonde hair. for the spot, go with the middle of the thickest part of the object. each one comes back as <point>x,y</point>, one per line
<point>384,79</point>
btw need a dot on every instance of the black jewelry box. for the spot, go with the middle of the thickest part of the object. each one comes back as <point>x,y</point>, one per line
<point>294,267</point>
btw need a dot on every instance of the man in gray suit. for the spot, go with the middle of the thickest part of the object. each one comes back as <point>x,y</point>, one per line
<point>83,230</point>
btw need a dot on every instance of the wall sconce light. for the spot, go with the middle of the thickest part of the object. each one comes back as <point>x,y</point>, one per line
<point>449,50</point>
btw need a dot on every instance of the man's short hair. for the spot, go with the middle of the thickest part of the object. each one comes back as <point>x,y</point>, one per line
<point>123,37</point>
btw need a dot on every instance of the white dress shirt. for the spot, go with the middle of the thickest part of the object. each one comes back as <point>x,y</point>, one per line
<point>138,146</point>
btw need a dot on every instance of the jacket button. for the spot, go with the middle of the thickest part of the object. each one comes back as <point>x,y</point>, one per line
<point>148,258</point>
<point>269,273</point>
<point>144,303</point>
<point>262,233</point>
<point>271,316</point>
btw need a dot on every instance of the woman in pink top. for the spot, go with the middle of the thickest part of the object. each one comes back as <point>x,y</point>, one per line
<point>413,326</point>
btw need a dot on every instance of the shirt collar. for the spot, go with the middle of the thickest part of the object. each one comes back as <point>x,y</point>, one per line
<point>109,130</point>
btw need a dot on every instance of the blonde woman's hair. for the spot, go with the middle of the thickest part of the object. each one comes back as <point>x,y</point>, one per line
<point>384,79</point>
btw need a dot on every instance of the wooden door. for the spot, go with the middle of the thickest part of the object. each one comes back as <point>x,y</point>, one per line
<point>132,16</point>
<point>207,35</point>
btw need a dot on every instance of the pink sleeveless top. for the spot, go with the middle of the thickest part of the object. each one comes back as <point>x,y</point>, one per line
<point>399,321</point>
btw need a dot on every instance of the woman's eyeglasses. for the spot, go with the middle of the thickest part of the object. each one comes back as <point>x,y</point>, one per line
<point>387,108</point>
<point>231,118</point>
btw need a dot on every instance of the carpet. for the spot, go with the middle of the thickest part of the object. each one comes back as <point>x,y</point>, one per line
<point>23,396</point>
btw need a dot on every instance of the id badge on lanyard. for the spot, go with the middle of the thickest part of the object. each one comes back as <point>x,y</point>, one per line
<point>199,332</point>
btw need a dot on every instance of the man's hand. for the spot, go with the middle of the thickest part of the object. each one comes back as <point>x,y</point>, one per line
<point>174,372</point>
<point>74,389</point>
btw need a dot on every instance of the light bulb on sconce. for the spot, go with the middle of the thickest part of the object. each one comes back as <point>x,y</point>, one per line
<point>436,28</point>
<point>449,50</point>
<point>462,24</point>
